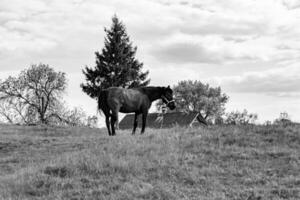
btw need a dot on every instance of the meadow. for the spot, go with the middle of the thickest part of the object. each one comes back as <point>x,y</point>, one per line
<point>213,163</point>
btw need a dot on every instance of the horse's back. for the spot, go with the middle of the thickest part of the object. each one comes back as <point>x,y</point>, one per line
<point>129,100</point>
<point>118,93</point>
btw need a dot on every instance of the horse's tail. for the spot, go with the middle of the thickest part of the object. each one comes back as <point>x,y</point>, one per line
<point>102,101</point>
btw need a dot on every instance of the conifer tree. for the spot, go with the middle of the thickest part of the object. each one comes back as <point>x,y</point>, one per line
<point>116,65</point>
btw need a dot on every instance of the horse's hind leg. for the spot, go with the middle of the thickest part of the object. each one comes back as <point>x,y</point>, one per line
<point>114,119</point>
<point>107,121</point>
<point>135,123</point>
<point>117,123</point>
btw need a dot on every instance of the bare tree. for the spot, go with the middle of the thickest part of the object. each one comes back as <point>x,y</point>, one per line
<point>237,117</point>
<point>33,94</point>
<point>70,117</point>
<point>284,119</point>
<point>76,116</point>
<point>92,121</point>
<point>15,112</point>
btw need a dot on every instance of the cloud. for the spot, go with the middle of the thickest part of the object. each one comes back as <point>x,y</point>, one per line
<point>291,4</point>
<point>182,48</point>
<point>184,53</point>
<point>168,75</point>
<point>243,30</point>
<point>55,32</point>
<point>281,82</point>
<point>12,41</point>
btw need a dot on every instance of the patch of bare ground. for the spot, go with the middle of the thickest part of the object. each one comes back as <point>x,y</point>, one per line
<point>228,162</point>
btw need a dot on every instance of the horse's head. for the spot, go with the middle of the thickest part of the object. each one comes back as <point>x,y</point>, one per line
<point>167,97</point>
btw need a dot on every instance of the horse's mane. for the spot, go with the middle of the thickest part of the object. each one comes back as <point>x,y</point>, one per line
<point>147,89</point>
<point>150,90</point>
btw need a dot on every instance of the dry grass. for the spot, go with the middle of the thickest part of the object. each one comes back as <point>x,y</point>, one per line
<point>232,162</point>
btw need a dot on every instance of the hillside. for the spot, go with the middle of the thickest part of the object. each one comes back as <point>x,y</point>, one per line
<point>232,162</point>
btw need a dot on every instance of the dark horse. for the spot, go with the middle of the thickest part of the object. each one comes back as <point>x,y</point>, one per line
<point>138,100</point>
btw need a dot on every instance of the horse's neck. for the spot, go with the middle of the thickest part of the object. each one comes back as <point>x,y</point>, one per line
<point>153,93</point>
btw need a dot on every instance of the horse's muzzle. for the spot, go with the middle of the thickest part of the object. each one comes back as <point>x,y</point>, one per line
<point>171,105</point>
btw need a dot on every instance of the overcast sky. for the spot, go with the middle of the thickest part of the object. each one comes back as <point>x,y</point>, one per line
<point>250,48</point>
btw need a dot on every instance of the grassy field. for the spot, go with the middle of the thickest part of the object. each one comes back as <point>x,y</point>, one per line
<point>232,162</point>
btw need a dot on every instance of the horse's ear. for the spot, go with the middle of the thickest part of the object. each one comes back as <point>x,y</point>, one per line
<point>168,86</point>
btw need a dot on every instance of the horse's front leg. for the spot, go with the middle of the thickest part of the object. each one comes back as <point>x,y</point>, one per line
<point>135,123</point>
<point>144,118</point>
